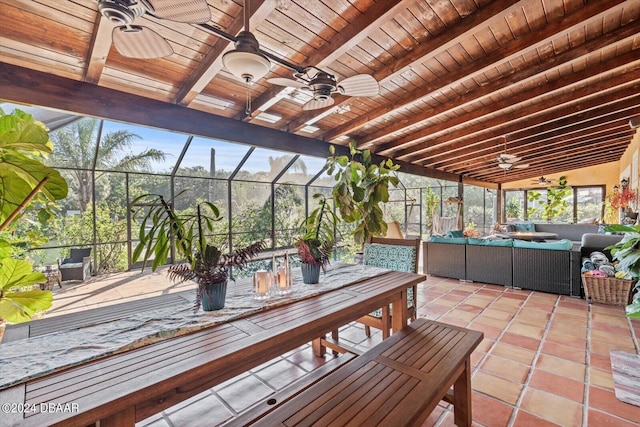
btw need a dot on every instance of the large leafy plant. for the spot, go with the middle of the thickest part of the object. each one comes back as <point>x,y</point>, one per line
<point>16,304</point>
<point>627,253</point>
<point>317,238</point>
<point>25,183</point>
<point>360,189</point>
<point>204,261</point>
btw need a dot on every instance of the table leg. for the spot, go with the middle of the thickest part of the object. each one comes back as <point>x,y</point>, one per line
<point>462,397</point>
<point>399,312</point>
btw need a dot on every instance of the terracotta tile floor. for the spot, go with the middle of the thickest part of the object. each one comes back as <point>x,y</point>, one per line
<point>544,360</point>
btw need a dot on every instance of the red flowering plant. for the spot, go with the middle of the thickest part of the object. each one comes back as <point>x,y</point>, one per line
<point>623,198</point>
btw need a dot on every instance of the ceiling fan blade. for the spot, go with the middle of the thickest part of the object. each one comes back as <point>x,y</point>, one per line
<point>315,104</point>
<point>287,82</point>
<point>140,42</point>
<point>190,11</point>
<point>359,85</point>
<point>506,156</point>
<point>522,166</point>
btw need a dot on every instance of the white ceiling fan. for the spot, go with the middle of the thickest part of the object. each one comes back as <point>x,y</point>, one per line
<point>138,41</point>
<point>322,84</point>
<point>508,161</point>
<point>543,181</point>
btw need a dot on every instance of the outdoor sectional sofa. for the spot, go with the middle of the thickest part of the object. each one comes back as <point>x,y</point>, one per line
<point>552,267</point>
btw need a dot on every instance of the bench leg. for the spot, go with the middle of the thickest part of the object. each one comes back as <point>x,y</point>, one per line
<point>318,349</point>
<point>462,397</point>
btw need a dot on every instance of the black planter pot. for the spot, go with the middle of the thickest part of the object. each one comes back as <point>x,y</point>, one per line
<point>213,296</point>
<point>310,273</point>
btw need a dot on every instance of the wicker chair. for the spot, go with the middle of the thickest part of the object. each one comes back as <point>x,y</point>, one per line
<point>377,253</point>
<point>77,266</point>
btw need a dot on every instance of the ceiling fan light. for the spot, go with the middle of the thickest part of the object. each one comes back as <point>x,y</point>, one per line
<point>505,166</point>
<point>245,61</point>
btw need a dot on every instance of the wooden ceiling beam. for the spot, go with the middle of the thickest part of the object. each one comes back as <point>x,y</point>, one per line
<point>567,125</point>
<point>575,163</point>
<point>211,64</point>
<point>504,54</point>
<point>358,29</point>
<point>615,90</point>
<point>512,81</point>
<point>437,44</point>
<point>554,150</point>
<point>98,50</point>
<point>614,146</point>
<point>27,86</point>
<point>529,151</point>
<point>538,95</point>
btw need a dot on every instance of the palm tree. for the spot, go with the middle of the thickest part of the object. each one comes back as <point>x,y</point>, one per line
<point>76,149</point>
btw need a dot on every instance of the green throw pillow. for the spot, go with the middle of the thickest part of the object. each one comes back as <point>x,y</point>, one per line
<point>455,233</point>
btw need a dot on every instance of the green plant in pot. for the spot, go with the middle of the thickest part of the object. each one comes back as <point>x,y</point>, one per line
<point>361,186</point>
<point>204,261</point>
<point>316,241</point>
<point>627,253</point>
<point>26,184</point>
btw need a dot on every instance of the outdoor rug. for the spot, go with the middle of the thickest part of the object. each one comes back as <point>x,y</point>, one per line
<point>626,376</point>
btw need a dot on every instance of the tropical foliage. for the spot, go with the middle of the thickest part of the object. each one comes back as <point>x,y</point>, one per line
<point>554,204</point>
<point>627,253</point>
<point>26,184</point>
<point>317,238</point>
<point>361,186</point>
<point>76,146</point>
<point>204,261</point>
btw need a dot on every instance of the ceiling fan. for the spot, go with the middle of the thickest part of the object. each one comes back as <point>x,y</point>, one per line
<point>542,181</point>
<point>322,84</point>
<point>508,161</point>
<point>250,63</point>
<point>137,41</point>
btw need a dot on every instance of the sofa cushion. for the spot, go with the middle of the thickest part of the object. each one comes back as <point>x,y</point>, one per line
<point>455,234</point>
<point>508,243</point>
<point>454,240</point>
<point>560,245</point>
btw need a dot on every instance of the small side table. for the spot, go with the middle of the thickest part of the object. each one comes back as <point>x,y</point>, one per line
<point>53,276</point>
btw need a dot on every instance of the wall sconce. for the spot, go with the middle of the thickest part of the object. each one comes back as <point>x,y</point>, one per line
<point>624,183</point>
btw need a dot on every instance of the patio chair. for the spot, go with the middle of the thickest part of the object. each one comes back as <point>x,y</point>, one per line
<point>394,254</point>
<point>77,266</point>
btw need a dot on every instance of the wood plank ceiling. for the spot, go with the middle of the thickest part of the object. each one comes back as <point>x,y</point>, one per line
<point>557,80</point>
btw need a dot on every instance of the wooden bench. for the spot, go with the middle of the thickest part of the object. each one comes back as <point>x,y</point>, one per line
<point>396,383</point>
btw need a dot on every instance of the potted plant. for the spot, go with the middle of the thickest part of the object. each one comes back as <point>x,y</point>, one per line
<point>627,253</point>
<point>204,261</point>
<point>512,209</point>
<point>317,240</point>
<point>360,189</point>
<point>26,183</point>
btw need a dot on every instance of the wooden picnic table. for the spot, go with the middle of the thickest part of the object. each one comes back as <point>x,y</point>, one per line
<point>124,388</point>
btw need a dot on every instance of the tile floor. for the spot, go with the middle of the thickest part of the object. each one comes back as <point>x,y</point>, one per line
<point>544,360</point>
